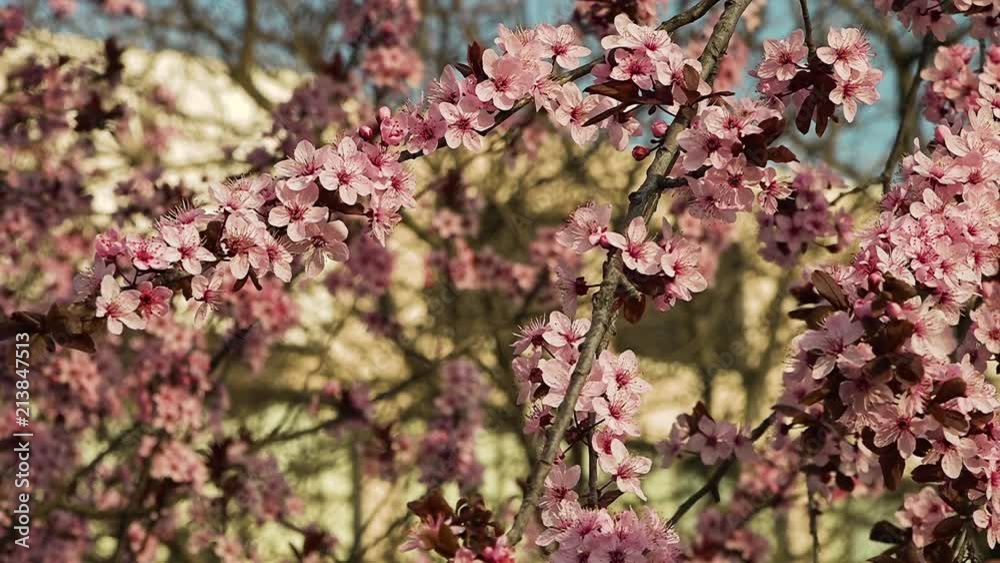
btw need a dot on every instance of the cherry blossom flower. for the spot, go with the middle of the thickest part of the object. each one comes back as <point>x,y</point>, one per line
<point>573,110</point>
<point>782,57</point>
<point>860,85</point>
<point>118,306</point>
<point>563,331</point>
<point>680,262</point>
<point>242,196</point>
<point>987,328</point>
<point>849,51</point>
<point>559,485</point>
<point>297,210</point>
<point>622,372</point>
<point>634,66</point>
<point>838,332</point>
<point>153,300</point>
<point>588,227</point>
<point>714,441</point>
<point>618,411</point>
<point>304,167</point>
<point>638,253</point>
<point>507,81</point>
<point>278,256</point>
<point>463,126</point>
<point>324,240</point>
<point>187,241</point>
<point>241,238</point>
<point>561,44</point>
<point>150,253</point>
<point>625,468</point>
<point>986,519</point>
<point>209,292</point>
<point>345,171</point>
<point>899,428</point>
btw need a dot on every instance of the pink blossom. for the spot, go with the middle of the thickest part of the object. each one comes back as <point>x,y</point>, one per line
<point>563,331</point>
<point>208,292</point>
<point>150,253</point>
<point>638,253</point>
<point>782,57</point>
<point>118,306</point>
<point>304,167</point>
<point>849,51</point>
<point>680,262</point>
<point>561,44</point>
<point>714,441</point>
<point>625,468</point>
<point>559,485</point>
<point>153,300</point>
<point>463,126</point>
<point>838,332</point>
<point>618,411</point>
<point>187,241</point>
<point>894,427</point>
<point>573,110</point>
<point>241,238</point>
<point>297,210</point>
<point>588,227</point>
<point>634,66</point>
<point>860,85</point>
<point>508,80</point>
<point>324,240</point>
<point>622,372</point>
<point>345,171</point>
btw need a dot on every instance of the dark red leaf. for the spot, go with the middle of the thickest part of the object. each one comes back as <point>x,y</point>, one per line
<point>887,532</point>
<point>634,309</point>
<point>892,468</point>
<point>951,389</point>
<point>829,290</point>
<point>781,154</point>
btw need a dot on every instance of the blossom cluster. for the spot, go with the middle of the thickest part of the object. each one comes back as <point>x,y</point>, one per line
<point>837,74</point>
<point>666,269</point>
<point>882,358</point>
<point>925,16</point>
<point>448,447</point>
<point>606,416</point>
<point>796,213</point>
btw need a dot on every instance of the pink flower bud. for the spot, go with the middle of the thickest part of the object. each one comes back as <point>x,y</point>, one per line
<point>365,132</point>
<point>894,310</point>
<point>874,280</point>
<point>659,128</point>
<point>640,152</point>
<point>384,113</point>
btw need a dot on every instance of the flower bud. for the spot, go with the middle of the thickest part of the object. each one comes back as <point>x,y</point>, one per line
<point>384,113</point>
<point>640,152</point>
<point>659,128</point>
<point>894,310</point>
<point>365,132</point>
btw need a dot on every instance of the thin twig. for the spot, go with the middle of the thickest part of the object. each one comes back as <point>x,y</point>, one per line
<point>807,24</point>
<point>813,528</point>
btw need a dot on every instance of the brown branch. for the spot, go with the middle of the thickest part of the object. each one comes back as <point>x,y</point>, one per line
<point>643,203</point>
<point>807,24</point>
